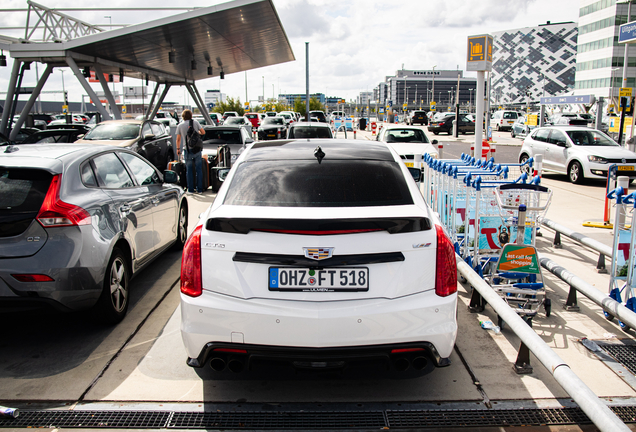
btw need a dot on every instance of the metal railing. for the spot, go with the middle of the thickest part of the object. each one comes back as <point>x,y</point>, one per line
<point>603,249</point>
<point>596,410</point>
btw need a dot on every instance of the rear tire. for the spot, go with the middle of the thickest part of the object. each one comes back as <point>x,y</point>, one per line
<point>525,168</point>
<point>113,303</point>
<point>182,228</point>
<point>512,133</point>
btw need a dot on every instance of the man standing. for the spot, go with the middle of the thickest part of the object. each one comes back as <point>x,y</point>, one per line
<point>193,161</point>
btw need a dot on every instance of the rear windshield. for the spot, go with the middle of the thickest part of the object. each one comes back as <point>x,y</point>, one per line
<point>510,115</point>
<point>114,131</point>
<point>406,135</point>
<point>310,132</point>
<point>226,136</point>
<point>22,192</point>
<point>251,116</point>
<point>306,183</point>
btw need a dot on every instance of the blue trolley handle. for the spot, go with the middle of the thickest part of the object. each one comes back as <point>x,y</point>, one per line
<point>630,199</point>
<point>617,194</point>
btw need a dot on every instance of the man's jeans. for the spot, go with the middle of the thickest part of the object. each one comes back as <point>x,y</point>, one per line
<point>194,161</point>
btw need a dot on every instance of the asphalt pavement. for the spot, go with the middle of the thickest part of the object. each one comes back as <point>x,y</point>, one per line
<point>69,363</point>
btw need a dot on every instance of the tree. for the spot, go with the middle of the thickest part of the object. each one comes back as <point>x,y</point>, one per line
<point>230,105</point>
<point>314,105</point>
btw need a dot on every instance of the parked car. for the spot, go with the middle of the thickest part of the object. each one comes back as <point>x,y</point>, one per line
<point>235,137</point>
<point>79,222</point>
<point>271,113</point>
<point>417,117</point>
<point>55,124</point>
<point>62,135</point>
<point>227,114</point>
<point>24,133</point>
<point>241,121</point>
<point>520,128</point>
<point>503,120</point>
<point>445,124</point>
<point>319,115</point>
<point>579,152</point>
<point>410,143</point>
<point>146,137</point>
<point>288,118</point>
<point>569,119</point>
<point>272,128</point>
<point>254,118</point>
<point>320,254</point>
<point>309,130</point>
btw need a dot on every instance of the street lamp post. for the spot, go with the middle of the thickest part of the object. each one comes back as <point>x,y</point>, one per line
<point>433,92</point>
<point>415,100</point>
<point>470,100</point>
<point>449,97</point>
<point>611,95</point>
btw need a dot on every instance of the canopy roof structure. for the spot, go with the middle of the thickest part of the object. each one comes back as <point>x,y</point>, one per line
<point>178,50</point>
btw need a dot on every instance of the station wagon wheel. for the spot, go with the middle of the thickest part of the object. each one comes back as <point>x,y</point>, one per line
<point>575,173</point>
<point>182,228</point>
<point>113,303</point>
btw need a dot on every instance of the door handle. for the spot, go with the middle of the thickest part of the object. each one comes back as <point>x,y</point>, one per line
<point>126,208</point>
<point>155,201</point>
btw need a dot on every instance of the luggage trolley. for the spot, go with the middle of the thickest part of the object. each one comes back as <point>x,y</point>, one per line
<point>622,284</point>
<point>517,275</point>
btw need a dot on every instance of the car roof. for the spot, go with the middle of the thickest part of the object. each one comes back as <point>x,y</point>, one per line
<point>50,157</point>
<point>310,124</point>
<point>332,148</point>
<point>126,121</point>
<point>568,127</point>
<point>402,127</point>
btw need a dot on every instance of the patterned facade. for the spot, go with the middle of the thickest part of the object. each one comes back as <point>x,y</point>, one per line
<point>532,62</point>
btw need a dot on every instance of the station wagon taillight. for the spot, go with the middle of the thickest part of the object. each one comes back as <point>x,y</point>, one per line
<point>446,268</point>
<point>191,281</point>
<point>57,213</point>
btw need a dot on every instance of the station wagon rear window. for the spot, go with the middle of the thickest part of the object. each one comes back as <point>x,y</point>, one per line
<point>22,193</point>
<point>306,183</point>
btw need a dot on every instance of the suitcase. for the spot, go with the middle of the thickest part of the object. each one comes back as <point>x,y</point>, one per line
<point>206,174</point>
<point>180,169</point>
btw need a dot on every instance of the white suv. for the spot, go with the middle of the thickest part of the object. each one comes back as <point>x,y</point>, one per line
<point>319,253</point>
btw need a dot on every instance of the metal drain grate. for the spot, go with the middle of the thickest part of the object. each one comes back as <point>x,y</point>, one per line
<point>279,420</point>
<point>482,418</point>
<point>297,420</point>
<point>89,419</point>
<point>624,354</point>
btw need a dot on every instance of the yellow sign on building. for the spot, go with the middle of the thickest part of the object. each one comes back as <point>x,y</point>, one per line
<point>532,120</point>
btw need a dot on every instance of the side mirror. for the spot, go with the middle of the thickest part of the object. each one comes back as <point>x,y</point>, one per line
<point>149,137</point>
<point>416,173</point>
<point>249,141</point>
<point>434,142</point>
<point>170,177</point>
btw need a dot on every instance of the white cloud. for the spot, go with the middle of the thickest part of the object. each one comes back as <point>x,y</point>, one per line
<point>353,45</point>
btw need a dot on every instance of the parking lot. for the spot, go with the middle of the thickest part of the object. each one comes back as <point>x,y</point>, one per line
<point>68,362</point>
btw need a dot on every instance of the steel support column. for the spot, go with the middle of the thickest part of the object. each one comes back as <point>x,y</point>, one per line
<point>109,95</point>
<point>202,107</point>
<point>152,101</point>
<point>160,101</point>
<point>34,96</point>
<point>87,88</point>
<point>10,93</point>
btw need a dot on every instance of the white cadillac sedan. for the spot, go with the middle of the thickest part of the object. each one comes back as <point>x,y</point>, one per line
<point>321,253</point>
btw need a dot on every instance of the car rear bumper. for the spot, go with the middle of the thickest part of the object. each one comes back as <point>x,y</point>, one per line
<point>423,318</point>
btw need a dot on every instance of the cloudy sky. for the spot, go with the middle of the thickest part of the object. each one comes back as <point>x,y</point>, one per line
<point>353,44</point>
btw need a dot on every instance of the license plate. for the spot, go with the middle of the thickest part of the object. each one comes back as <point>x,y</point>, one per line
<point>409,164</point>
<point>332,279</point>
<point>271,135</point>
<point>625,168</point>
<point>510,122</point>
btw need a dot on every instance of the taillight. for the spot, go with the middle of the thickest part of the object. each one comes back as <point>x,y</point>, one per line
<point>32,278</point>
<point>191,284</point>
<point>57,213</point>
<point>446,269</point>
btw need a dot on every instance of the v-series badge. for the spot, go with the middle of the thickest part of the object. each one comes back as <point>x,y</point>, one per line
<point>421,245</point>
<point>215,245</point>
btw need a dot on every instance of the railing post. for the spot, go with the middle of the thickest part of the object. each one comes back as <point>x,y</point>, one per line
<point>522,364</point>
<point>557,240</point>
<point>600,265</point>
<point>571,303</point>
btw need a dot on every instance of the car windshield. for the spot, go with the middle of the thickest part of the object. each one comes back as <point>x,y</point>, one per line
<point>223,136</point>
<point>114,131</point>
<point>273,120</point>
<point>406,135</point>
<point>590,138</point>
<point>305,183</point>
